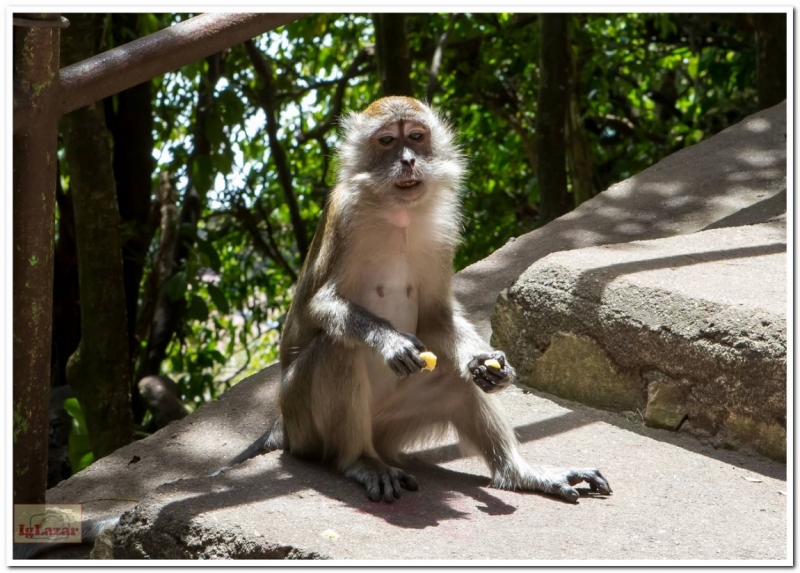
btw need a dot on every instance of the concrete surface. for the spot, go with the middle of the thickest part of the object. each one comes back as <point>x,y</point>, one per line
<point>673,499</point>
<point>703,313</point>
<point>737,177</point>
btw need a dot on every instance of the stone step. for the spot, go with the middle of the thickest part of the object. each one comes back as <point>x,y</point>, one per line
<point>689,331</point>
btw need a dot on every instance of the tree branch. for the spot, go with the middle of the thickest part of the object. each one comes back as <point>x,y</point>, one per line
<point>350,74</point>
<point>270,249</point>
<point>436,62</point>
<point>364,56</point>
<point>268,101</point>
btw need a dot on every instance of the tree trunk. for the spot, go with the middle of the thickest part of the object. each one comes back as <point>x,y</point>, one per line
<point>551,115</point>
<point>132,129</point>
<point>579,152</point>
<point>99,370</point>
<point>391,50</point>
<point>162,264</point>
<point>168,313</point>
<point>770,58</point>
<point>36,82</point>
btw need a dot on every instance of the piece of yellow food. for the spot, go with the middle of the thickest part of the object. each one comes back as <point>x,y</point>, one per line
<point>492,363</point>
<point>330,534</point>
<point>430,360</point>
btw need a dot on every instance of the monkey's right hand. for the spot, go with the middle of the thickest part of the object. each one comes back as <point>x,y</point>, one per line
<point>401,353</point>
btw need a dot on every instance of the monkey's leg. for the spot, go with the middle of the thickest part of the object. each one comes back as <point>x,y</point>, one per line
<point>481,422</point>
<point>295,403</point>
<point>340,408</point>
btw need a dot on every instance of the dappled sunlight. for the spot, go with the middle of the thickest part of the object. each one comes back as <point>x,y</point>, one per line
<point>761,158</point>
<point>757,124</point>
<point>755,175</point>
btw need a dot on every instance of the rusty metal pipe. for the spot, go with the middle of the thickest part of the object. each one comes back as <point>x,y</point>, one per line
<point>161,52</point>
<point>36,59</point>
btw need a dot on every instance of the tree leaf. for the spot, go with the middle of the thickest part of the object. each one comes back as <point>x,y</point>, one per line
<point>198,309</point>
<point>176,286</point>
<point>218,296</point>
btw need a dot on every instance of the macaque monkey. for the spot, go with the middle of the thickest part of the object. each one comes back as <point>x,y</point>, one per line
<point>375,291</point>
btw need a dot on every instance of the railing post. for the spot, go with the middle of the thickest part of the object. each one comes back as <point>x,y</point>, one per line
<point>36,66</point>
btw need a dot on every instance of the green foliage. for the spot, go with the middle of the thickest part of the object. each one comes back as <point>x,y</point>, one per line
<point>80,447</point>
<point>647,86</point>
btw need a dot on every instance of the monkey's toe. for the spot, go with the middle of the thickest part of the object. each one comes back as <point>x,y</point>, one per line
<point>597,483</point>
<point>569,493</point>
<point>382,482</point>
<point>408,481</point>
<point>593,477</point>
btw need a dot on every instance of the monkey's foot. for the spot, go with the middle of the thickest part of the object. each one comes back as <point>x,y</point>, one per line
<point>560,481</point>
<point>382,481</point>
<point>488,378</point>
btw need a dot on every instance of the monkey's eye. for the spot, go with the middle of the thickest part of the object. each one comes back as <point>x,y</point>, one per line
<point>416,136</point>
<point>386,139</point>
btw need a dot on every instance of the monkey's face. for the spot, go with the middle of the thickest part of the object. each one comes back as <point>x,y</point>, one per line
<point>401,151</point>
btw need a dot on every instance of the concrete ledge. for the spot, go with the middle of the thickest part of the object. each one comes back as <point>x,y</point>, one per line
<point>691,326</point>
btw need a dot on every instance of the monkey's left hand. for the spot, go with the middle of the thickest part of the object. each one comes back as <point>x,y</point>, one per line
<point>491,379</point>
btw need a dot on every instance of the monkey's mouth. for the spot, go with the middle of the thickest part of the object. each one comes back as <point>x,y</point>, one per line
<point>408,184</point>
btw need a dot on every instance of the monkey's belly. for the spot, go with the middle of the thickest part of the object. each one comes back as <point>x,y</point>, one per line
<point>388,292</point>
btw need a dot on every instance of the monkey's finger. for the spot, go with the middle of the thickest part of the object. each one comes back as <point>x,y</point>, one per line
<point>486,385</point>
<point>418,360</point>
<point>415,341</point>
<point>399,367</point>
<point>500,356</point>
<point>410,364</point>
<point>495,375</point>
<point>477,361</point>
<point>491,375</point>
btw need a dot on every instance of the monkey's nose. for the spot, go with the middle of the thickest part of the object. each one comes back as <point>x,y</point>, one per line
<point>408,162</point>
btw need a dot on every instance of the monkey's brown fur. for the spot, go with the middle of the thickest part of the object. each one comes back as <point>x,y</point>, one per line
<point>374,292</point>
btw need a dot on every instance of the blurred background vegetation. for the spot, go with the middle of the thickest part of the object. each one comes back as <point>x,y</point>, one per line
<point>221,169</point>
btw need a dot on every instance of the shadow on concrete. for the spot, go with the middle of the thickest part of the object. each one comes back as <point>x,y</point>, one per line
<point>768,209</point>
<point>584,415</point>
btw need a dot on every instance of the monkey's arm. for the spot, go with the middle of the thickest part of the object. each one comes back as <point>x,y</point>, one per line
<point>347,322</point>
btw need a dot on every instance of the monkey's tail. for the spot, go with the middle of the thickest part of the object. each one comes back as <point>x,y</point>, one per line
<point>90,530</point>
<point>273,439</point>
